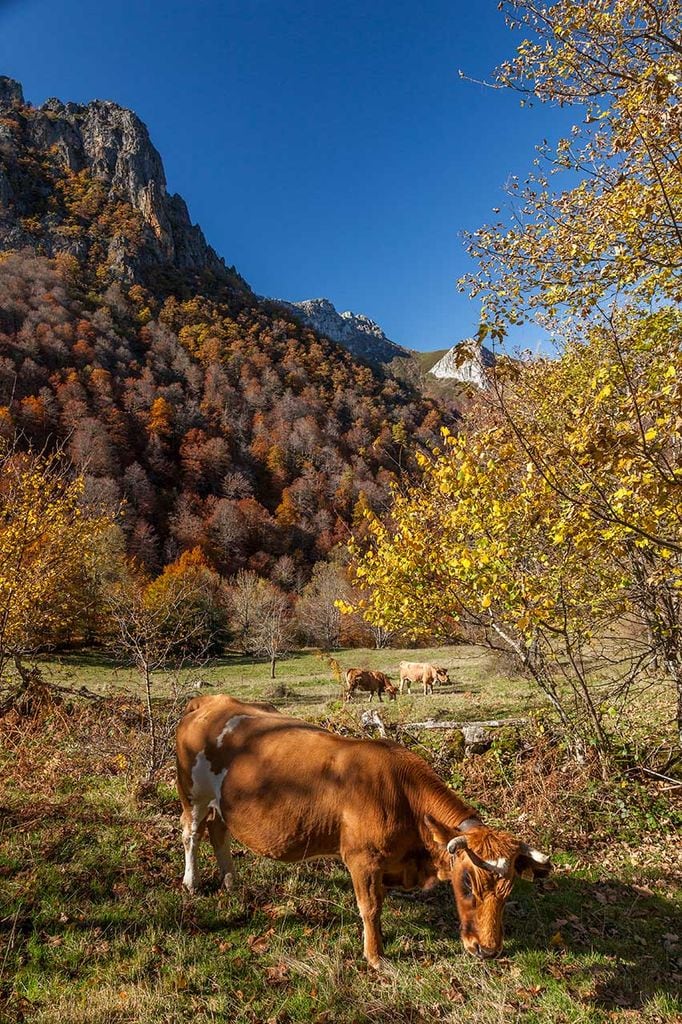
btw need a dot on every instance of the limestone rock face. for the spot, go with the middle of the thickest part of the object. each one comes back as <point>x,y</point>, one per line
<point>11,92</point>
<point>465,362</point>
<point>355,331</point>
<point>113,146</point>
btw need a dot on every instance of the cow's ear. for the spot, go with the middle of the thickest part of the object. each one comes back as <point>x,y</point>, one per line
<point>440,834</point>
<point>532,864</point>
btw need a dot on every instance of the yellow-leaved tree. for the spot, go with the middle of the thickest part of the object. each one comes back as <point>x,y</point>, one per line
<point>618,231</point>
<point>47,540</point>
<point>552,523</point>
<point>550,526</point>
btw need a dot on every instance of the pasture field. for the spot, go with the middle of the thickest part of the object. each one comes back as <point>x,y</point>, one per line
<point>96,928</point>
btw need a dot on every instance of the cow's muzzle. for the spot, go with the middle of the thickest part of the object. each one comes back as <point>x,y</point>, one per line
<point>484,952</point>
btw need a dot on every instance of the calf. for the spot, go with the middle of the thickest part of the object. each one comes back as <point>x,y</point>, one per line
<point>421,672</point>
<point>292,791</point>
<point>374,682</point>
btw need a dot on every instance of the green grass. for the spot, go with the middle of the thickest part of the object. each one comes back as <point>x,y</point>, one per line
<point>481,685</point>
<point>97,929</point>
<point>428,359</point>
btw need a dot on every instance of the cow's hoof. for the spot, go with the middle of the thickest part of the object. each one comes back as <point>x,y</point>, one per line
<point>384,967</point>
<point>190,889</point>
<point>227,882</point>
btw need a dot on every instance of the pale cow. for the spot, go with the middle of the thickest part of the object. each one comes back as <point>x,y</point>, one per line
<point>421,672</point>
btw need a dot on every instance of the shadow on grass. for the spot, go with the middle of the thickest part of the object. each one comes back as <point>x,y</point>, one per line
<point>629,926</point>
<point>622,934</point>
<point>89,658</point>
<point>610,944</point>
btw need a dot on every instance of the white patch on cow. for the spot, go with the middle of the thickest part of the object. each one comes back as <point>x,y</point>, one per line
<point>230,727</point>
<point>206,787</point>
<point>539,858</point>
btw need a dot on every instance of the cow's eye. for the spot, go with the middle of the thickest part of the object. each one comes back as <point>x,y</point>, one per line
<point>466,884</point>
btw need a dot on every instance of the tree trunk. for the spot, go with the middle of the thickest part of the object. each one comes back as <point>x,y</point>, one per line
<point>675,671</point>
<point>273,659</point>
<point>151,767</point>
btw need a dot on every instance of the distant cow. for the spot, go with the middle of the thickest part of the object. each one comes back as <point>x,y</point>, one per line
<point>421,672</point>
<point>374,682</point>
<point>292,791</point>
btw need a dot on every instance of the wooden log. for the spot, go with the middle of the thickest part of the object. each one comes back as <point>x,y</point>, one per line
<point>373,720</point>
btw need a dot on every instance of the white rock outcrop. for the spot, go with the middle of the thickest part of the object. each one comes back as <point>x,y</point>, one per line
<point>466,362</point>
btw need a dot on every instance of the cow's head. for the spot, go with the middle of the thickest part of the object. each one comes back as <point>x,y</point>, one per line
<point>481,865</point>
<point>442,676</point>
<point>391,690</point>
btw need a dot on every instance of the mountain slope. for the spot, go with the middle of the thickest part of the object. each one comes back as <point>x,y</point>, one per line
<point>355,331</point>
<point>64,163</point>
<point>464,363</point>
<point>220,422</point>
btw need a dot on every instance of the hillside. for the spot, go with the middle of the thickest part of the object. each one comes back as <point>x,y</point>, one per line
<point>355,331</point>
<point>218,420</point>
<point>433,373</point>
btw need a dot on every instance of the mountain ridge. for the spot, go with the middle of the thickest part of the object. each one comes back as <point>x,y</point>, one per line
<point>359,334</point>
<point>208,418</point>
<point>112,145</point>
<point>465,362</point>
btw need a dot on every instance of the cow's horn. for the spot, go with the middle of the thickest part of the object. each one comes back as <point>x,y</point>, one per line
<point>457,843</point>
<point>498,867</point>
<point>539,858</point>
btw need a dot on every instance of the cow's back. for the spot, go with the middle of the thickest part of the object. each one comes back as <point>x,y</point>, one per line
<point>413,670</point>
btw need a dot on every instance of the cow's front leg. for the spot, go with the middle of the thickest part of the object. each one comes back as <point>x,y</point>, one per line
<point>369,893</point>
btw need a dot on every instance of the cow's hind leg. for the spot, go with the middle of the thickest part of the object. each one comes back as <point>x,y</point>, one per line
<point>369,893</point>
<point>193,821</point>
<point>219,835</point>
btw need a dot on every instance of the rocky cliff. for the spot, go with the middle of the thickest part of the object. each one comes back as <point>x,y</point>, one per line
<point>465,362</point>
<point>63,165</point>
<point>355,331</point>
<point>208,419</point>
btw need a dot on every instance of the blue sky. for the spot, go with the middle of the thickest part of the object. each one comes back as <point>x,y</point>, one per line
<point>326,148</point>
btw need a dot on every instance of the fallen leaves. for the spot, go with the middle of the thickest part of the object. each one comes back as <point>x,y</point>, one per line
<point>277,974</point>
<point>260,943</point>
<point>455,993</point>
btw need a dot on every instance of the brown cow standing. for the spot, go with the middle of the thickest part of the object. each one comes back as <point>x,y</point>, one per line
<point>421,672</point>
<point>374,682</point>
<point>292,791</point>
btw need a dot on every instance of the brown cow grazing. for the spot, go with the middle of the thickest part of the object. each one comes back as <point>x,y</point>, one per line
<point>293,791</point>
<point>374,682</point>
<point>421,672</point>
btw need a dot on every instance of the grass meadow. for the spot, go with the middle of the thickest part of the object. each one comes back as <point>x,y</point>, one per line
<point>96,929</point>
